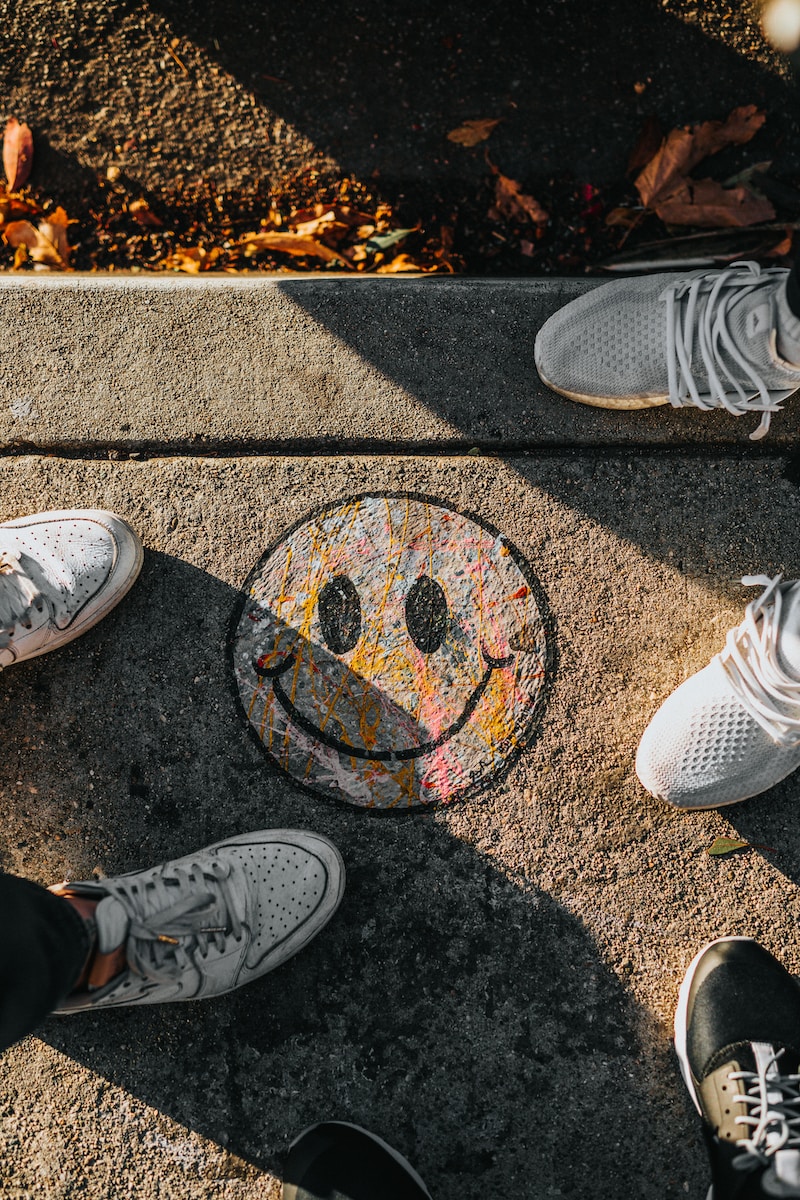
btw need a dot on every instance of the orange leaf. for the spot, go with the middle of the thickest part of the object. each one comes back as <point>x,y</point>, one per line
<point>192,259</point>
<point>472,132</point>
<point>401,264</point>
<point>47,246</point>
<point>17,154</point>
<point>512,203</point>
<point>290,243</point>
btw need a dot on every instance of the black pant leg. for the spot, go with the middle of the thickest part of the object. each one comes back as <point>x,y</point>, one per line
<point>793,288</point>
<point>44,944</point>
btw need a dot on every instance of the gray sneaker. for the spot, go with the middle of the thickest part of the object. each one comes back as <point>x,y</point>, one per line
<point>211,921</point>
<point>705,339</point>
<point>60,573</point>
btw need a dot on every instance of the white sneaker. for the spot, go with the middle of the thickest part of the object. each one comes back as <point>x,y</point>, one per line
<point>60,573</point>
<point>732,730</point>
<point>706,339</point>
<point>211,921</point>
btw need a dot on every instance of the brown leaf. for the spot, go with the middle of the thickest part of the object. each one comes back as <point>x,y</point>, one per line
<point>290,243</point>
<point>647,145</point>
<point>141,211</point>
<point>472,132</point>
<point>627,217</point>
<point>17,154</point>
<point>709,205</point>
<point>328,212</point>
<point>47,246</point>
<point>683,149</point>
<point>515,205</point>
<point>739,127</point>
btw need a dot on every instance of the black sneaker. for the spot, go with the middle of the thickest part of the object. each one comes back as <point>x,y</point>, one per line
<point>339,1161</point>
<point>737,1035</point>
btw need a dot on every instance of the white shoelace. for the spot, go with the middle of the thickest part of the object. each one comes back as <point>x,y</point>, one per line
<point>30,578</point>
<point>18,593</point>
<point>773,1116</point>
<point>189,909</point>
<point>750,660</point>
<point>697,310</point>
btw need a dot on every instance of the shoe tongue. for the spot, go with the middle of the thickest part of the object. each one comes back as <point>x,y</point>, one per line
<point>782,1175</point>
<point>782,1178</point>
<point>789,637</point>
<point>750,320</point>
<point>112,924</point>
<point>17,592</point>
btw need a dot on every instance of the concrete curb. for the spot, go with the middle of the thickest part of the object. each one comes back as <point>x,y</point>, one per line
<point>143,363</point>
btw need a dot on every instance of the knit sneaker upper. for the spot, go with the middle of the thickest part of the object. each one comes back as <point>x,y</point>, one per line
<point>733,729</point>
<point>705,339</point>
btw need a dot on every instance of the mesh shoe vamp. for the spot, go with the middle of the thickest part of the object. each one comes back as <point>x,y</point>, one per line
<point>703,748</point>
<point>610,342</point>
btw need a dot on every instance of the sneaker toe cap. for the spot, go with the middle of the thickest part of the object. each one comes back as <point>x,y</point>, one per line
<point>702,749</point>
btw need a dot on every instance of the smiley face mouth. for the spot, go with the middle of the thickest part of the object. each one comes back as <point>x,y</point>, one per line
<point>274,675</point>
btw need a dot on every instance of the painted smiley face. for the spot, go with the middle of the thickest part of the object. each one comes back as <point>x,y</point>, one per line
<point>391,652</point>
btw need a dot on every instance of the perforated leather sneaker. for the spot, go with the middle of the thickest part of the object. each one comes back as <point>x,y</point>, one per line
<point>732,730</point>
<point>209,922</point>
<point>60,573</point>
<point>737,1036</point>
<point>706,339</point>
<point>339,1161</point>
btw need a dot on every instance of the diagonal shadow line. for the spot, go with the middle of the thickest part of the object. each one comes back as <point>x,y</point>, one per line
<point>444,1000</point>
<point>379,91</point>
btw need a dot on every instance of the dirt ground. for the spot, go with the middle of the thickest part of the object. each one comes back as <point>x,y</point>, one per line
<point>215,113</point>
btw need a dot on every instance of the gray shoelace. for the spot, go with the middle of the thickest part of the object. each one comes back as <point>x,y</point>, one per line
<point>698,311</point>
<point>176,916</point>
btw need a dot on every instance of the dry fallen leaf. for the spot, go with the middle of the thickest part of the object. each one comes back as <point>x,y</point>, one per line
<point>647,145</point>
<point>17,154</point>
<point>783,247</point>
<point>472,132</point>
<point>683,149</point>
<point>290,243</point>
<point>191,260</point>
<point>47,246</point>
<point>141,211</point>
<point>726,845</point>
<point>324,213</point>
<point>708,205</point>
<point>512,203</point>
<point>626,217</point>
<point>401,264</point>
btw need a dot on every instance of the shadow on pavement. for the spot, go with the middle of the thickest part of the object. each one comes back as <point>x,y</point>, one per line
<point>378,89</point>
<point>456,1010</point>
<point>465,1018</point>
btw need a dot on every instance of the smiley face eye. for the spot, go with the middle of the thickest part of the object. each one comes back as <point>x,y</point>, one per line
<point>339,611</point>
<point>426,614</point>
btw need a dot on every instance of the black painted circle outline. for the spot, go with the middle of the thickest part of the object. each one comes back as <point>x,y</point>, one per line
<point>550,661</point>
